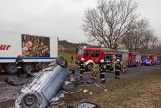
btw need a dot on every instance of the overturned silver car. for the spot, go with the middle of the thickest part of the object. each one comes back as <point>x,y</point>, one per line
<point>45,85</point>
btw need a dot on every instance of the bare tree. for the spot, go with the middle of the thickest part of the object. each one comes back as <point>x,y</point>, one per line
<point>139,36</point>
<point>107,23</point>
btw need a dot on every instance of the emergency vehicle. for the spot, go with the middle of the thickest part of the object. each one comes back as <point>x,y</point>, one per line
<point>134,59</point>
<point>149,59</point>
<point>159,59</point>
<point>36,50</point>
<point>94,55</point>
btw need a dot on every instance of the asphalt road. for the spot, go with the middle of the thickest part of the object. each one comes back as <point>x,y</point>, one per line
<point>130,71</point>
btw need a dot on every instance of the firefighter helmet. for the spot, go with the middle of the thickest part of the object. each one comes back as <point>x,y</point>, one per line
<point>19,56</point>
<point>118,60</point>
<point>82,59</point>
<point>101,60</point>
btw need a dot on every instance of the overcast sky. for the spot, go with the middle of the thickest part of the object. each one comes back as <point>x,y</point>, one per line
<point>61,18</point>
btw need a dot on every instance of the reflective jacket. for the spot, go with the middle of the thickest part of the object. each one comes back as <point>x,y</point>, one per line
<point>19,62</point>
<point>95,67</point>
<point>102,67</point>
<point>81,65</point>
<point>118,66</point>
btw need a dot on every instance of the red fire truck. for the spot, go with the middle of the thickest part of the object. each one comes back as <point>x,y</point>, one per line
<point>94,55</point>
<point>134,59</point>
<point>159,59</point>
<point>149,59</point>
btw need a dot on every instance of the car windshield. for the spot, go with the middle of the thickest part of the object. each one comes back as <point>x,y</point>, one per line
<point>87,52</point>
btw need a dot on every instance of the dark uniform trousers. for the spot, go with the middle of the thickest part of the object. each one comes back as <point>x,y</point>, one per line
<point>117,70</point>
<point>19,66</point>
<point>103,72</point>
<point>81,69</point>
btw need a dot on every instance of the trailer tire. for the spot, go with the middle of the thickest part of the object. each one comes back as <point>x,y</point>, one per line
<point>28,67</point>
<point>61,61</point>
<point>41,65</point>
<point>89,66</point>
<point>11,68</point>
<point>0,68</point>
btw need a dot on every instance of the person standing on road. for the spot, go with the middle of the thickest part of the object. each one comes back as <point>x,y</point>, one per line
<point>72,59</point>
<point>113,63</point>
<point>82,67</point>
<point>95,70</point>
<point>108,65</point>
<point>102,71</point>
<point>19,63</point>
<point>117,69</point>
<point>124,66</point>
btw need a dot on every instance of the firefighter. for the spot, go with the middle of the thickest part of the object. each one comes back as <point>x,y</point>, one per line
<point>81,67</point>
<point>102,67</point>
<point>117,69</point>
<point>95,70</point>
<point>113,63</point>
<point>19,63</point>
<point>108,65</point>
<point>124,66</point>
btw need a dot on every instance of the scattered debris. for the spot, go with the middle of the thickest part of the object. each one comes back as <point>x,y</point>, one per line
<point>150,91</point>
<point>54,99</point>
<point>62,95</point>
<point>99,86</point>
<point>85,91</point>
<point>105,90</point>
<point>90,93</point>
<point>13,80</point>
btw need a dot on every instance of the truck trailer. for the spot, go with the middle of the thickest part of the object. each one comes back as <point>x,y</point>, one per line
<point>37,51</point>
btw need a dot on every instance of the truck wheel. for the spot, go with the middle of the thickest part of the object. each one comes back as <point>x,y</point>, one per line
<point>11,68</point>
<point>89,67</point>
<point>30,101</point>
<point>61,61</point>
<point>28,67</point>
<point>0,68</point>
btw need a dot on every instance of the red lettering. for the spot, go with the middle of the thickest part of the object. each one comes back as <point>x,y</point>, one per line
<point>4,47</point>
<point>8,46</point>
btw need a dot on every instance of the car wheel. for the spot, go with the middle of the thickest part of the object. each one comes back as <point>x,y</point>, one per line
<point>28,67</point>
<point>30,101</point>
<point>89,67</point>
<point>61,61</point>
<point>11,68</point>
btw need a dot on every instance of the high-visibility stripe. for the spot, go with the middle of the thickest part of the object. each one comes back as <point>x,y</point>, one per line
<point>102,78</point>
<point>103,73</point>
<point>81,74</point>
<point>18,67</point>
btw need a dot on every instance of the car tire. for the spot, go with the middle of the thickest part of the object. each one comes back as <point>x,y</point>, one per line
<point>11,68</point>
<point>28,67</point>
<point>30,101</point>
<point>61,61</point>
<point>89,67</point>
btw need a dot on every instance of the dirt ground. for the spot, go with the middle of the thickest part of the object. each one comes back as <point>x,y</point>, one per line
<point>74,95</point>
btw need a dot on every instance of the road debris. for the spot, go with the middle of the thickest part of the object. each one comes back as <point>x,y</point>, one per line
<point>85,91</point>
<point>150,91</point>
